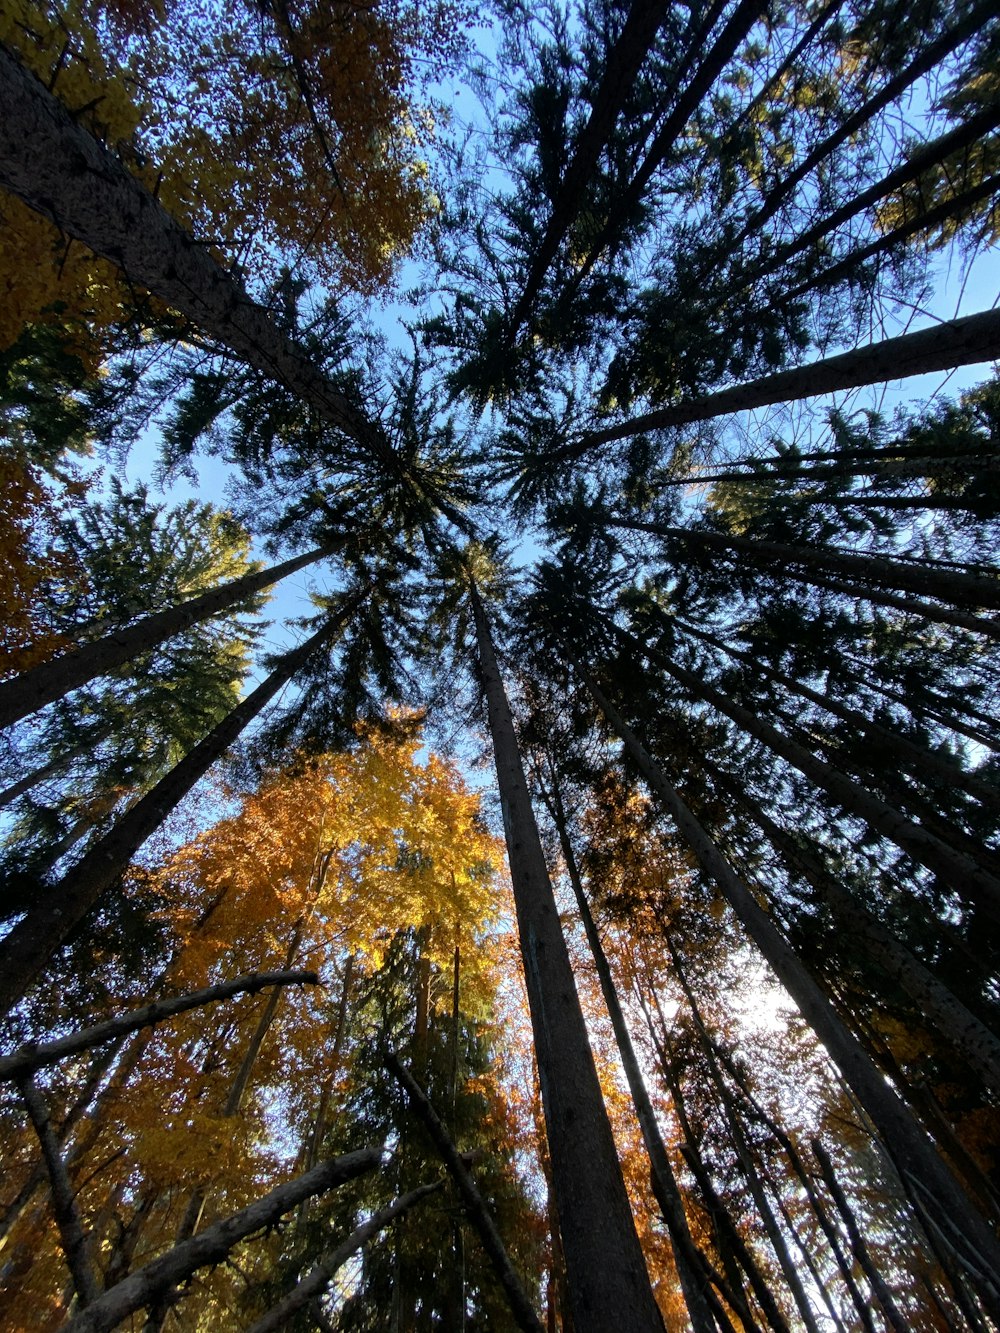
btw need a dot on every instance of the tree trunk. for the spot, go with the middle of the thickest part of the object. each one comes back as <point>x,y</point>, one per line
<point>476,1209</point>
<point>924,760</point>
<point>744,1153</point>
<point>153,1282</point>
<point>920,160</point>
<point>34,940</point>
<point>960,342</point>
<point>737,29</point>
<point>865,571</point>
<point>51,680</point>
<point>319,1277</point>
<point>665,1189</point>
<point>36,1056</point>
<point>860,1249</point>
<point>37,775</point>
<point>622,64</point>
<point>59,169</point>
<point>957,1024</point>
<point>921,65</point>
<point>608,1282</point>
<point>955,867</point>
<point>969,1235</point>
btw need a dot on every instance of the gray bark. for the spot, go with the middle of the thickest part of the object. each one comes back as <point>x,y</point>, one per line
<point>59,169</point>
<point>955,867</point>
<point>71,1234</point>
<point>688,1260</point>
<point>608,1282</point>
<point>955,587</point>
<point>51,680</point>
<point>959,342</point>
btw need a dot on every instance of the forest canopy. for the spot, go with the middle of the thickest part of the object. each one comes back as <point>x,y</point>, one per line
<point>501,818</point>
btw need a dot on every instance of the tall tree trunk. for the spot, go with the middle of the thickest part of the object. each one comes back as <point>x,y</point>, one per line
<point>738,27</point>
<point>969,1235</point>
<point>55,678</point>
<point>57,168</point>
<point>39,774</point>
<point>687,1258</point>
<point>735,1257</point>
<point>35,939</point>
<point>622,64</point>
<point>608,1282</point>
<point>861,1252</point>
<point>924,760</point>
<point>865,571</point>
<point>320,1276</point>
<point>957,1024</point>
<point>956,867</point>
<point>479,1214</point>
<point>743,1150</point>
<point>895,87</point>
<point>920,160</point>
<point>157,1279</point>
<point>972,340</point>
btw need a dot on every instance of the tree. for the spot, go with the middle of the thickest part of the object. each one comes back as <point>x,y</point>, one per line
<point>679,218</point>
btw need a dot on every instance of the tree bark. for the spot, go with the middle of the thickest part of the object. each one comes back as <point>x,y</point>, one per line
<point>34,1056</point>
<point>957,1024</point>
<point>34,940</point>
<point>621,67</point>
<point>865,571</point>
<point>970,1236</point>
<point>922,64</point>
<point>687,1258</point>
<point>935,765</point>
<point>51,680</point>
<point>151,1283</point>
<point>960,342</point>
<point>955,867</point>
<point>520,1307</point>
<point>60,170</point>
<point>319,1277</point>
<point>71,1234</point>
<point>861,1252</point>
<point>608,1282</point>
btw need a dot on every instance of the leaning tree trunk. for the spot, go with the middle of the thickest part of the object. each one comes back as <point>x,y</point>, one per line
<point>624,59</point>
<point>957,1024</point>
<point>153,1282</point>
<point>968,1234</point>
<point>35,939</point>
<point>744,1152</point>
<point>609,1285</point>
<point>958,342</point>
<point>929,763</point>
<point>867,572</point>
<point>57,168</point>
<point>51,680</point>
<point>957,868</point>
<point>688,1260</point>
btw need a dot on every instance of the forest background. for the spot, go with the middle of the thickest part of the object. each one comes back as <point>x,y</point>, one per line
<point>594,424</point>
